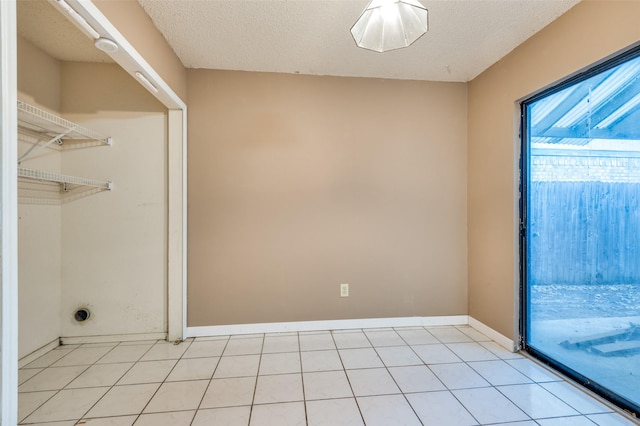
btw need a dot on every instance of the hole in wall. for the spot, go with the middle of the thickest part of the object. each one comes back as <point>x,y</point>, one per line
<point>82,314</point>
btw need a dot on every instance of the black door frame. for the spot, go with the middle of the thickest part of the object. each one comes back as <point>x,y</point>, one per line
<point>624,403</point>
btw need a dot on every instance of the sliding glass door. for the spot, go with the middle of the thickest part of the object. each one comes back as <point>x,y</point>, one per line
<point>580,242</point>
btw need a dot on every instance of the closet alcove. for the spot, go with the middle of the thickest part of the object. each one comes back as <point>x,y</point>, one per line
<point>92,190</point>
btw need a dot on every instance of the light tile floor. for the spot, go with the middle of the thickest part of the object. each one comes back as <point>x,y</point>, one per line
<point>443,376</point>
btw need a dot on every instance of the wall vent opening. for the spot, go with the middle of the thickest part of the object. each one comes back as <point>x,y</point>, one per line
<point>82,314</point>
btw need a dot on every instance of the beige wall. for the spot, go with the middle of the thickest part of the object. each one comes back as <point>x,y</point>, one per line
<point>39,230</point>
<point>136,26</point>
<point>114,243</point>
<point>300,183</point>
<point>589,32</point>
<point>38,76</point>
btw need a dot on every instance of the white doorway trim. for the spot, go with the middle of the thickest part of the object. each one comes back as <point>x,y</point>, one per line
<point>8,215</point>
<point>132,62</point>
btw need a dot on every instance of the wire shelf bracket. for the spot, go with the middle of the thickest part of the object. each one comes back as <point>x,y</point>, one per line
<point>42,129</point>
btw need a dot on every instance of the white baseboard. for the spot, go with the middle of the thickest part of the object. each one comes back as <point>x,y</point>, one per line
<point>445,320</point>
<point>76,340</point>
<point>280,327</point>
<point>500,339</point>
<point>38,353</point>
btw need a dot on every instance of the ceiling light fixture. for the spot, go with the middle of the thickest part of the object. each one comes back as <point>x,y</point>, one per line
<point>77,19</point>
<point>106,45</point>
<point>146,82</point>
<point>390,24</point>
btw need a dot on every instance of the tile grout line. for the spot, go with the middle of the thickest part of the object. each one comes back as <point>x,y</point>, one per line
<point>535,383</point>
<point>484,387</point>
<point>423,363</point>
<point>110,387</point>
<point>210,380</point>
<point>491,386</point>
<point>165,379</point>
<point>391,375</point>
<point>116,382</point>
<point>344,370</point>
<point>255,387</point>
<point>304,395</point>
<point>573,384</point>
<point>58,391</point>
<point>55,391</point>
<point>450,390</point>
<point>467,364</point>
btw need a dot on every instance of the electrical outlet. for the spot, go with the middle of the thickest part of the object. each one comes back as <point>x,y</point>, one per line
<point>344,290</point>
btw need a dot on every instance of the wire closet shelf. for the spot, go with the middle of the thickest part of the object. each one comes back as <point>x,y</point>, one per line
<point>41,129</point>
<point>44,126</point>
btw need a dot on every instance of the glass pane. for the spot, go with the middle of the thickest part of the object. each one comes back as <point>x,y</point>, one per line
<point>583,229</point>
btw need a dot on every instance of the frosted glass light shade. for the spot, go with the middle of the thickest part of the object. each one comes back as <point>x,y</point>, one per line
<point>390,24</point>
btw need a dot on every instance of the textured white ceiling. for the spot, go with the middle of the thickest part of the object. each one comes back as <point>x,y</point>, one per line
<point>312,36</point>
<point>42,24</point>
